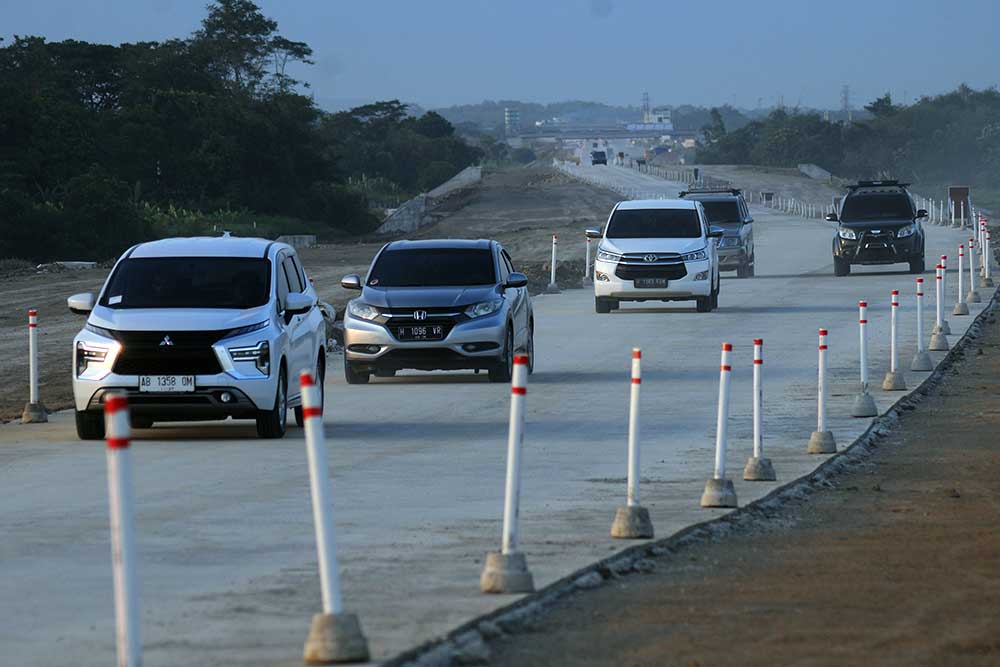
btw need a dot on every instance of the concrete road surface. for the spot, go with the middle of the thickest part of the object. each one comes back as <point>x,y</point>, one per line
<point>227,557</point>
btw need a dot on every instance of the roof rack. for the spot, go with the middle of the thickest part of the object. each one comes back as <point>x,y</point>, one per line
<point>892,183</point>
<point>709,190</point>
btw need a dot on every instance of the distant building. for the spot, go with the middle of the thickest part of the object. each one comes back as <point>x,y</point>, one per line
<point>511,121</point>
<point>657,119</point>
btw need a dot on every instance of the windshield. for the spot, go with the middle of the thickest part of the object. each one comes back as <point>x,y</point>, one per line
<point>668,223</point>
<point>433,267</point>
<point>600,155</point>
<point>189,282</point>
<point>889,206</point>
<point>722,212</point>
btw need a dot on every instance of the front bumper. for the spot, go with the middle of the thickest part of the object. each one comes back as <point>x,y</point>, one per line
<point>878,250</point>
<point>476,343</point>
<point>607,284</point>
<point>731,258</point>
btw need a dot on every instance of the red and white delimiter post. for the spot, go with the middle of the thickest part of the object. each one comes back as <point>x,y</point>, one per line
<point>334,636</point>
<point>34,412</point>
<point>864,404</point>
<point>119,454</point>
<point>973,295</point>
<point>632,521</point>
<point>943,326</point>
<point>758,468</point>
<point>719,491</point>
<point>921,360</point>
<point>960,306</point>
<point>587,268</point>
<point>821,441</point>
<point>553,287</point>
<point>987,256</point>
<point>939,339</point>
<point>894,380</point>
<point>507,571</point>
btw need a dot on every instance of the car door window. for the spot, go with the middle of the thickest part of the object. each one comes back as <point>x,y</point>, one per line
<point>507,261</point>
<point>504,267</point>
<point>300,271</point>
<point>292,275</point>
<point>281,284</point>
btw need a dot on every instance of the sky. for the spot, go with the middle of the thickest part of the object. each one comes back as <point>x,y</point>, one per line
<point>443,52</point>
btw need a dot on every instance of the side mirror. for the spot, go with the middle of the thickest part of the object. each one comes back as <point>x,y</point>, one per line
<point>297,303</point>
<point>748,221</point>
<point>81,304</point>
<point>921,213</point>
<point>594,233</point>
<point>352,281</point>
<point>516,280</point>
<point>716,232</point>
<point>832,217</point>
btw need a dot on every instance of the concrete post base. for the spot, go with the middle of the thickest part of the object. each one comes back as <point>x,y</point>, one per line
<point>822,442</point>
<point>587,282</point>
<point>506,573</point>
<point>335,638</point>
<point>939,343</point>
<point>894,381</point>
<point>552,289</point>
<point>719,493</point>
<point>985,282</point>
<point>973,297</point>
<point>943,329</point>
<point>632,523</point>
<point>759,470</point>
<point>921,362</point>
<point>34,413</point>
<point>961,308</point>
<point>864,406</point>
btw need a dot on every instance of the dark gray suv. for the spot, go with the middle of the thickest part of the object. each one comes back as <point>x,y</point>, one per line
<point>726,208</point>
<point>438,305</point>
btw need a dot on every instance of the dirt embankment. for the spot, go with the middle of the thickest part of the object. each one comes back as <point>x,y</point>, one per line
<point>896,563</point>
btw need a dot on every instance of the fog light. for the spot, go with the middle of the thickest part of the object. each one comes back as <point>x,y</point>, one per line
<point>603,277</point>
<point>702,275</point>
<point>480,347</point>
<point>225,397</point>
<point>365,349</point>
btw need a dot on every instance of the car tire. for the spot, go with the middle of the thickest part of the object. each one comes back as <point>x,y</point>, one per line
<point>503,369</point>
<point>703,304</point>
<point>385,372</point>
<point>744,270</point>
<point>140,422</point>
<point>531,348</point>
<point>714,298</point>
<point>90,424</point>
<point>353,374</point>
<point>602,306</point>
<point>300,420</point>
<point>917,265</point>
<point>841,267</point>
<point>271,424</point>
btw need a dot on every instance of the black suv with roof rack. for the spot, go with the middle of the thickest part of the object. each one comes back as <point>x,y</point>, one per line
<point>726,208</point>
<point>878,224</point>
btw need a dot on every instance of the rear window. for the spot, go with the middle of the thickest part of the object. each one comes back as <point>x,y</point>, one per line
<point>189,282</point>
<point>647,223</point>
<point>433,267</point>
<point>721,212</point>
<point>888,206</point>
<point>599,155</point>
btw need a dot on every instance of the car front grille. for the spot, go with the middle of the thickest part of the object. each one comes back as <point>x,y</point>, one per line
<point>444,316</point>
<point>167,353</point>
<point>651,270</point>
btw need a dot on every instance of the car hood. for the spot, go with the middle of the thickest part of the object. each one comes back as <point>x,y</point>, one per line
<point>622,246</point>
<point>175,319</point>
<point>427,297</point>
<point>877,224</point>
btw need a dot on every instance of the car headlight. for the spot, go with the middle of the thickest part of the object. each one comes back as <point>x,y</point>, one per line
<point>607,255</point>
<point>484,308</point>
<point>87,354</point>
<point>233,333</point>
<point>908,230</point>
<point>847,233</point>
<point>260,354</point>
<point>730,242</point>
<point>694,256</point>
<point>362,310</point>
<point>100,331</point>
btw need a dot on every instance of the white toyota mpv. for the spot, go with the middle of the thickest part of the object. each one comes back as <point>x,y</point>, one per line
<point>199,329</point>
<point>656,250</point>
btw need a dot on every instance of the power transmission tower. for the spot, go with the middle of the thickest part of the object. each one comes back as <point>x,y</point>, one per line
<point>845,102</point>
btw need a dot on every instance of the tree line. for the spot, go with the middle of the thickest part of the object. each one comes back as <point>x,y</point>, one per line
<point>102,146</point>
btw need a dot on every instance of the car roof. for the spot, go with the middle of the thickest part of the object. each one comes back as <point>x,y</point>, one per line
<point>205,246</point>
<point>711,196</point>
<point>657,203</point>
<point>469,244</point>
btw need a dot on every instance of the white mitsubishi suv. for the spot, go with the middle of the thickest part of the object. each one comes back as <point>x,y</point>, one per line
<point>657,250</point>
<point>199,329</point>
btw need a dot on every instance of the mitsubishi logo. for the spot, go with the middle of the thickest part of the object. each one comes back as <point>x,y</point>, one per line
<point>649,258</point>
<point>166,341</point>
<point>420,315</point>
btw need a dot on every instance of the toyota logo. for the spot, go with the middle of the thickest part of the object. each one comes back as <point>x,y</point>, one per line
<point>420,315</point>
<point>166,342</point>
<point>649,258</point>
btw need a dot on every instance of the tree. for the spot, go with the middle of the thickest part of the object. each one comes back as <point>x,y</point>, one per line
<point>882,107</point>
<point>433,125</point>
<point>716,128</point>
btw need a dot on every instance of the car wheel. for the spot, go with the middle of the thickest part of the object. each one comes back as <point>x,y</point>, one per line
<point>841,267</point>
<point>743,270</point>
<point>703,304</point>
<point>320,380</point>
<point>531,348</point>
<point>503,369</point>
<point>602,306</point>
<point>90,425</point>
<point>271,423</point>
<point>385,372</point>
<point>140,422</point>
<point>714,299</point>
<point>917,265</point>
<point>353,374</point>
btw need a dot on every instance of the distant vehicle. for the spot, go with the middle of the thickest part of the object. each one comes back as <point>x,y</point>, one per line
<point>598,157</point>
<point>199,329</point>
<point>726,208</point>
<point>438,305</point>
<point>878,224</point>
<point>656,250</point>
<point>593,145</point>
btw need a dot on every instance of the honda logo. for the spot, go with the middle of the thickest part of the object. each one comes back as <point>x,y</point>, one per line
<point>649,258</point>
<point>166,341</point>
<point>420,315</point>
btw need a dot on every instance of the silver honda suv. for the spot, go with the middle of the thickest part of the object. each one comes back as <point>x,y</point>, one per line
<point>438,305</point>
<point>198,329</point>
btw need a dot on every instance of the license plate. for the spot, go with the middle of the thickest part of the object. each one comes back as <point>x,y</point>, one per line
<point>166,383</point>
<point>650,282</point>
<point>428,332</point>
